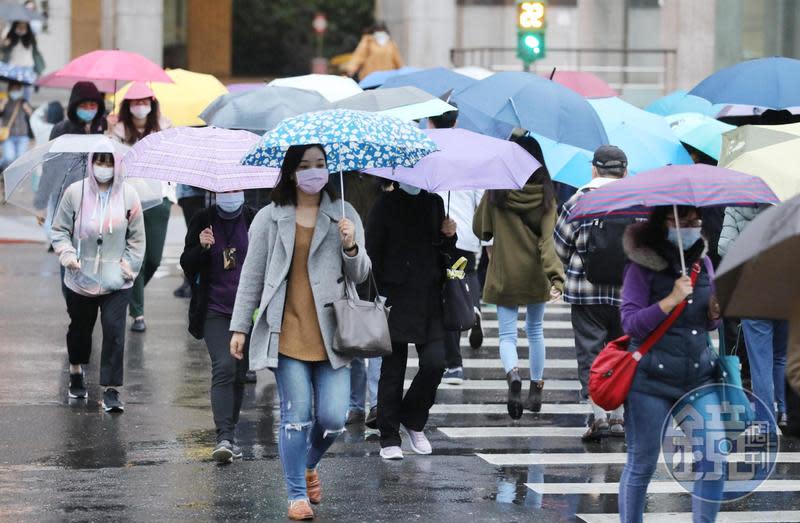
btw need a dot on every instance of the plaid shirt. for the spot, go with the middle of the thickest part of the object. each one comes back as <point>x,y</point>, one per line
<point>570,241</point>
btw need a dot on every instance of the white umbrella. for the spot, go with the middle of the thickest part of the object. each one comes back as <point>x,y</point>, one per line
<point>333,88</point>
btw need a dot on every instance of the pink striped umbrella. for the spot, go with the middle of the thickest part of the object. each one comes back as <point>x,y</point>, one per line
<point>107,66</point>
<point>206,157</point>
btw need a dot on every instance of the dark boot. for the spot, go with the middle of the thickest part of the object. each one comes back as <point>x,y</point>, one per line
<point>514,403</point>
<point>534,401</point>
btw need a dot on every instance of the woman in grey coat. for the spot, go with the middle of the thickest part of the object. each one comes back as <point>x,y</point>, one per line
<point>300,251</point>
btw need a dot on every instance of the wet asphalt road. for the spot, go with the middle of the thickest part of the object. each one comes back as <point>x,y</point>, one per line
<point>66,460</point>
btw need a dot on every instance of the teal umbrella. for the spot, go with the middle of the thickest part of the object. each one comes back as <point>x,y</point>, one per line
<point>681,102</point>
<point>701,132</point>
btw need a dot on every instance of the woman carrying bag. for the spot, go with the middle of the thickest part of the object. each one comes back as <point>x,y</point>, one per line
<point>301,251</point>
<point>679,361</point>
<point>524,270</point>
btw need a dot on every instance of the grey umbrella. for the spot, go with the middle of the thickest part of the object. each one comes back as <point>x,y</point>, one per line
<point>758,278</point>
<point>261,109</point>
<point>14,12</point>
<point>406,103</point>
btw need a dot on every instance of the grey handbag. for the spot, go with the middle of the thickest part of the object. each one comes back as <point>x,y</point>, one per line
<point>362,327</point>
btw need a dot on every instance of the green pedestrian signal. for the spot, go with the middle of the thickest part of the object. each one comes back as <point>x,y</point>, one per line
<point>531,25</point>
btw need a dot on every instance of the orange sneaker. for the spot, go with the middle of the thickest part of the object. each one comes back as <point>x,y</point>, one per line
<point>300,510</point>
<point>313,487</point>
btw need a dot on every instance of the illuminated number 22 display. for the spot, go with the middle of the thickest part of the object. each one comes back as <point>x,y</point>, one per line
<point>531,15</point>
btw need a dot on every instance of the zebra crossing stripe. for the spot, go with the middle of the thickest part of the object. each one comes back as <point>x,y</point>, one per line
<point>522,342</point>
<point>503,385</point>
<point>494,363</point>
<point>500,408</point>
<point>512,432</point>
<point>758,516</point>
<point>604,458</point>
<point>660,487</point>
<point>548,324</point>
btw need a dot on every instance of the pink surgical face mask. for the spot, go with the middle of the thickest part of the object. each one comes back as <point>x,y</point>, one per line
<point>311,181</point>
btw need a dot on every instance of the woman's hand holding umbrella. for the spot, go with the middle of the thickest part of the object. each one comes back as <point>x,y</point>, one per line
<point>449,227</point>
<point>681,291</point>
<point>347,232</point>
<point>207,238</point>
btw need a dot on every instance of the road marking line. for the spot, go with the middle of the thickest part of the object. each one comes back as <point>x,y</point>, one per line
<point>660,487</point>
<point>495,363</point>
<point>548,324</point>
<point>512,432</point>
<point>603,458</point>
<point>500,408</point>
<point>503,385</point>
<point>749,516</point>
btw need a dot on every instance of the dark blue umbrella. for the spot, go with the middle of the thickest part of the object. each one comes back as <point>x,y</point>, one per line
<point>436,81</point>
<point>768,82</point>
<point>533,103</point>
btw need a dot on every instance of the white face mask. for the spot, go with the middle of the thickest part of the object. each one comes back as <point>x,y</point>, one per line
<point>381,37</point>
<point>140,111</point>
<point>103,174</point>
<point>14,95</point>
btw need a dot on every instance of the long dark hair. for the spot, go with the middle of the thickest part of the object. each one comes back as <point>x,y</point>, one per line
<point>541,176</point>
<point>285,192</point>
<point>151,125</point>
<point>28,39</point>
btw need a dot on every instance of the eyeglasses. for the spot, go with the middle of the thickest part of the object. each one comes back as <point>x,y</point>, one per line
<point>687,223</point>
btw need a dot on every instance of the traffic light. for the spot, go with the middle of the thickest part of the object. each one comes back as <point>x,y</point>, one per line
<point>531,25</point>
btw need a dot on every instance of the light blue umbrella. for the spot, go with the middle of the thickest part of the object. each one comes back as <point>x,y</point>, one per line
<point>566,163</point>
<point>378,78</point>
<point>436,81</point>
<point>767,82</point>
<point>681,102</point>
<point>701,132</point>
<point>646,138</point>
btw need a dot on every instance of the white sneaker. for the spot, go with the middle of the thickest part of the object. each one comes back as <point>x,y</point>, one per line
<point>419,443</point>
<point>392,453</point>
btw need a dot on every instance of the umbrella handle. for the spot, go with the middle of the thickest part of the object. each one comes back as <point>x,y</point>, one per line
<point>341,193</point>
<point>680,240</point>
<point>448,204</point>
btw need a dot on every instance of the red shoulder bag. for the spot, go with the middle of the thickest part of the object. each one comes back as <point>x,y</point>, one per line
<point>612,372</point>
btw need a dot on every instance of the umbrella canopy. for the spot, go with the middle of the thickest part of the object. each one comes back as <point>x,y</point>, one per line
<point>681,102</point>
<point>184,99</point>
<point>244,87</point>
<point>474,72</point>
<point>353,140</point>
<point>436,81</point>
<point>16,12</point>
<point>768,82</point>
<point>533,103</point>
<point>769,152</point>
<point>646,138</point>
<point>695,185</point>
<point>109,65</point>
<point>67,82</point>
<point>28,175</point>
<point>566,163</point>
<point>700,131</point>
<point>585,84</point>
<point>333,88</point>
<point>261,109</point>
<point>205,157</point>
<point>16,73</point>
<point>405,103</point>
<point>755,279</point>
<point>466,161</point>
<point>378,78</point>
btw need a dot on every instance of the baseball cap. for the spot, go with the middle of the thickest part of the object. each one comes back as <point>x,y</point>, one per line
<point>610,158</point>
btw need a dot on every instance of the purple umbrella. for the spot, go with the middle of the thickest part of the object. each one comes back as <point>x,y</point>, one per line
<point>206,157</point>
<point>692,185</point>
<point>466,161</point>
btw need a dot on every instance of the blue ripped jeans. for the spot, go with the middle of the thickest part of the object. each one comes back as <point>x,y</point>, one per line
<point>314,399</point>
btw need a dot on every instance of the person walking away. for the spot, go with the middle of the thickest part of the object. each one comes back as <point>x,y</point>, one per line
<point>594,305</point>
<point>140,116</point>
<point>215,248</point>
<point>766,341</point>
<point>523,270</point>
<point>15,113</point>
<point>375,52</point>
<point>85,115</point>
<point>20,49</point>
<point>98,234</point>
<point>461,207</point>
<point>407,238</point>
<point>653,285</point>
<point>306,249</point>
<point>191,201</point>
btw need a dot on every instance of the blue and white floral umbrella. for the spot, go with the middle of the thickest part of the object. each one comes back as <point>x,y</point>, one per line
<point>353,140</point>
<point>17,73</point>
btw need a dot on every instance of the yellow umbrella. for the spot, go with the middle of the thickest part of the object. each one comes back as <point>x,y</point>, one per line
<point>751,137</point>
<point>183,101</point>
<point>777,164</point>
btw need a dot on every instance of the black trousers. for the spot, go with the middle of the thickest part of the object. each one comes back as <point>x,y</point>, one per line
<point>83,315</point>
<point>594,326</point>
<point>411,410</point>
<point>227,376</point>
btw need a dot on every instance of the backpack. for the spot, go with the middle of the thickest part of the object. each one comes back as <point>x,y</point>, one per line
<point>605,259</point>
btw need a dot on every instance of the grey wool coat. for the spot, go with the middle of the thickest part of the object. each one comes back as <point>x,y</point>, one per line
<point>263,282</point>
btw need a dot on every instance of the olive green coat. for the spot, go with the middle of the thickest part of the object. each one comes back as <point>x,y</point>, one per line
<point>524,264</point>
